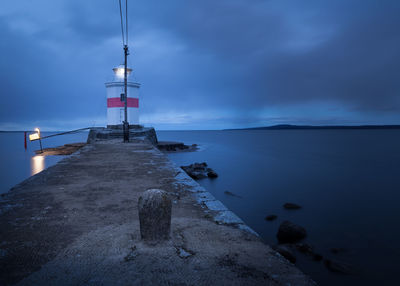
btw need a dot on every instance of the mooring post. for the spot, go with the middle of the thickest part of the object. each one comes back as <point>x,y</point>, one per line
<point>155,215</point>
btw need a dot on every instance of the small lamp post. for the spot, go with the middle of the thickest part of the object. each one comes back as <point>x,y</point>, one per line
<point>36,136</point>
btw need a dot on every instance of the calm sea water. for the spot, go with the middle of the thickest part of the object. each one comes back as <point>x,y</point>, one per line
<point>348,182</point>
<point>18,164</point>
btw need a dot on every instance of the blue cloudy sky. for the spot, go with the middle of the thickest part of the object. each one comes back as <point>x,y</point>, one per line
<point>206,64</point>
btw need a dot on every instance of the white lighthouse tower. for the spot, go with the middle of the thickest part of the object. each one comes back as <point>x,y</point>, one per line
<point>115,99</point>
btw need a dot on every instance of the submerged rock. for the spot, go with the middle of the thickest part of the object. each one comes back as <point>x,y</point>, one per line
<point>271,217</point>
<point>200,166</point>
<point>291,206</point>
<point>338,266</point>
<point>212,174</point>
<point>289,232</point>
<point>197,175</point>
<point>304,248</point>
<point>308,250</point>
<point>286,252</point>
<point>231,194</point>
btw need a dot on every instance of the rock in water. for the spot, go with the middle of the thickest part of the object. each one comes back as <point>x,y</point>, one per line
<point>197,175</point>
<point>271,217</point>
<point>285,252</point>
<point>289,232</point>
<point>212,174</point>
<point>338,266</point>
<point>291,206</point>
<point>308,250</point>
<point>155,215</point>
<point>199,166</point>
<point>231,194</point>
<point>304,248</point>
<point>199,171</point>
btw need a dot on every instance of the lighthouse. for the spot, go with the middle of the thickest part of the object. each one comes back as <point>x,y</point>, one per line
<point>115,99</point>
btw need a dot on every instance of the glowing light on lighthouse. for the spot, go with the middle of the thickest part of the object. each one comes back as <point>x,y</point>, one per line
<point>119,72</point>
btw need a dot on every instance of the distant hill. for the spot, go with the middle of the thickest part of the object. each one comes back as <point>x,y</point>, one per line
<point>289,126</point>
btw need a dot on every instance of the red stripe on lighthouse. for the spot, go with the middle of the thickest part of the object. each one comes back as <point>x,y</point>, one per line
<point>116,102</point>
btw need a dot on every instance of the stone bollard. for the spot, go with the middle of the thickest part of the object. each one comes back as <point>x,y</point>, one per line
<point>155,215</point>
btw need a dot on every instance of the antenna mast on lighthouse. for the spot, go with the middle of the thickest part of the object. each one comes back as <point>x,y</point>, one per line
<point>126,53</point>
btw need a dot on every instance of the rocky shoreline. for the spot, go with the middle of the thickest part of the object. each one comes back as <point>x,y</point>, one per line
<point>171,146</point>
<point>199,171</point>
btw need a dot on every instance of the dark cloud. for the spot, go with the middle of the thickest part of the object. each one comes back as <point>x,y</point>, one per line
<point>358,66</point>
<point>203,63</point>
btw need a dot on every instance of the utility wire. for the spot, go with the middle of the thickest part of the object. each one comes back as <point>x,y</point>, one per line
<point>122,23</point>
<point>126,19</point>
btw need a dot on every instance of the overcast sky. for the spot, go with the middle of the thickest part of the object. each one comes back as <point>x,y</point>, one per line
<point>206,64</point>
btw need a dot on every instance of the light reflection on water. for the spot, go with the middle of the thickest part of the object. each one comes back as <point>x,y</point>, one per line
<point>37,164</point>
<point>18,164</point>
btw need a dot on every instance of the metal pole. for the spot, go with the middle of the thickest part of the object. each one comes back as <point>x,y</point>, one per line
<point>41,149</point>
<point>126,123</point>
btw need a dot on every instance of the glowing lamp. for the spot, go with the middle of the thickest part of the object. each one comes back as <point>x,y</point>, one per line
<point>120,71</point>
<point>35,136</point>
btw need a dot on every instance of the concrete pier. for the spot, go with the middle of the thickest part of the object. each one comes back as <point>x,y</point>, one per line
<point>76,223</point>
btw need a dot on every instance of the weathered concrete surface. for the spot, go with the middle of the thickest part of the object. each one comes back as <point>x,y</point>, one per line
<point>76,223</point>
<point>135,131</point>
